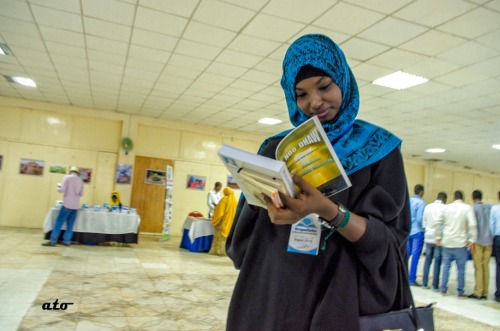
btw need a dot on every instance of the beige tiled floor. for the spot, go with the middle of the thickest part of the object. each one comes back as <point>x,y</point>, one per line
<point>150,286</point>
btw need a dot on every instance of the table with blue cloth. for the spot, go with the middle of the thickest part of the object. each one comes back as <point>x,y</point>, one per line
<point>197,234</point>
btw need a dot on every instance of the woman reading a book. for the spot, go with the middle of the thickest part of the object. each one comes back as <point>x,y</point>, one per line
<point>356,271</point>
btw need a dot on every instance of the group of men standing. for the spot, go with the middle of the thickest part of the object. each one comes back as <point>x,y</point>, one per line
<point>450,232</point>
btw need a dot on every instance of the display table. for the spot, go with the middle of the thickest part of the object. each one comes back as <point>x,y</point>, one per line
<point>197,234</point>
<point>98,227</point>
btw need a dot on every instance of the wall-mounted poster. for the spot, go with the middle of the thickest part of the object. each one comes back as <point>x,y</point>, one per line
<point>123,173</point>
<point>57,169</point>
<point>85,174</point>
<point>196,182</point>
<point>156,177</point>
<point>1,161</point>
<point>31,167</point>
<point>231,183</point>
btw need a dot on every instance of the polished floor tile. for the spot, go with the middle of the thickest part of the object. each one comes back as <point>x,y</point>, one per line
<point>154,286</point>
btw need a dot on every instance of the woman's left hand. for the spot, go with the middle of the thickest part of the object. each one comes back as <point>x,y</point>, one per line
<point>309,200</point>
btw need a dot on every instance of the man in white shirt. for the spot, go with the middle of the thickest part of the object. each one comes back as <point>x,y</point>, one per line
<point>213,198</point>
<point>432,251</point>
<point>456,231</point>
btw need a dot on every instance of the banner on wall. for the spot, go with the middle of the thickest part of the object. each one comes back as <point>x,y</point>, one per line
<point>167,218</point>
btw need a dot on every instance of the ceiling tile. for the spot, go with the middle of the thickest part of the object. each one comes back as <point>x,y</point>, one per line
<point>148,54</point>
<point>348,19</point>
<point>272,28</point>
<point>110,10</point>
<point>461,77</point>
<point>226,69</point>
<point>362,50</point>
<point>26,29</point>
<point>297,10</point>
<point>188,62</point>
<point>57,19</point>
<point>433,13</point>
<point>196,49</point>
<point>238,59</point>
<point>72,6</point>
<point>397,59</point>
<point>153,40</point>
<point>473,24</point>
<point>183,8</point>
<point>62,36</point>
<point>107,30</point>
<point>253,45</point>
<point>223,15</point>
<point>432,42</point>
<point>152,20</point>
<point>392,32</point>
<point>208,34</point>
<point>18,10</point>
<point>386,6</point>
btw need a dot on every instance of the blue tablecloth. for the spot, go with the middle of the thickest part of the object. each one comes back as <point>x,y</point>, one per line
<point>197,234</point>
<point>200,244</point>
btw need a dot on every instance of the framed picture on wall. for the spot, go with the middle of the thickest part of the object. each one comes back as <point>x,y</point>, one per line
<point>157,177</point>
<point>195,182</point>
<point>1,161</point>
<point>31,167</point>
<point>231,183</point>
<point>86,174</point>
<point>57,169</point>
<point>123,173</point>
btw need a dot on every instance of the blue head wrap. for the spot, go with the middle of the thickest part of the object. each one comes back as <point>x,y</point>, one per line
<point>357,143</point>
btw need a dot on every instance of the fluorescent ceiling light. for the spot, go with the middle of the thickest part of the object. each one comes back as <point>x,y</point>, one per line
<point>435,150</point>
<point>269,121</point>
<point>497,146</point>
<point>5,50</point>
<point>400,80</point>
<point>21,80</point>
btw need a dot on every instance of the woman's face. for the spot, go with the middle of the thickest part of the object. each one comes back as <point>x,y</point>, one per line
<point>319,96</point>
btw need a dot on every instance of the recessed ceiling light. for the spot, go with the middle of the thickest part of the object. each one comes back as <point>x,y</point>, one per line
<point>435,150</point>
<point>400,80</point>
<point>497,146</point>
<point>269,121</point>
<point>21,80</point>
<point>5,50</point>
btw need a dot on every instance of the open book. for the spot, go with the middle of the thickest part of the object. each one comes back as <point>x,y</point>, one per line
<point>305,151</point>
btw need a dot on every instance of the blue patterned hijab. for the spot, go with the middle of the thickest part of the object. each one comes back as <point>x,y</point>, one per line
<point>356,142</point>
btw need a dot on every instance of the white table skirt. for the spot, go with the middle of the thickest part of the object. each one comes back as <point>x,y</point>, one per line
<point>97,222</point>
<point>198,227</point>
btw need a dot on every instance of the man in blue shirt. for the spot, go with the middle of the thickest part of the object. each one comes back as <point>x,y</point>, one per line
<point>495,232</point>
<point>416,239</point>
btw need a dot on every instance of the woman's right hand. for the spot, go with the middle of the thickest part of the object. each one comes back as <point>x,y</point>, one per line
<point>309,200</point>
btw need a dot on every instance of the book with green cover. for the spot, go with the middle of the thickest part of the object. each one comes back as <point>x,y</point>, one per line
<point>305,151</point>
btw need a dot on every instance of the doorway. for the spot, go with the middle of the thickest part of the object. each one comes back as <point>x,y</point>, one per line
<point>148,192</point>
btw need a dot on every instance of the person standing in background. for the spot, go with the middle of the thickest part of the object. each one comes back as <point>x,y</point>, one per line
<point>416,239</point>
<point>213,198</point>
<point>432,251</point>
<point>72,189</point>
<point>456,231</point>
<point>482,247</point>
<point>222,221</point>
<point>495,232</point>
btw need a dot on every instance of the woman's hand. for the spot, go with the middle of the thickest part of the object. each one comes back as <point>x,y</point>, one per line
<point>310,200</point>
